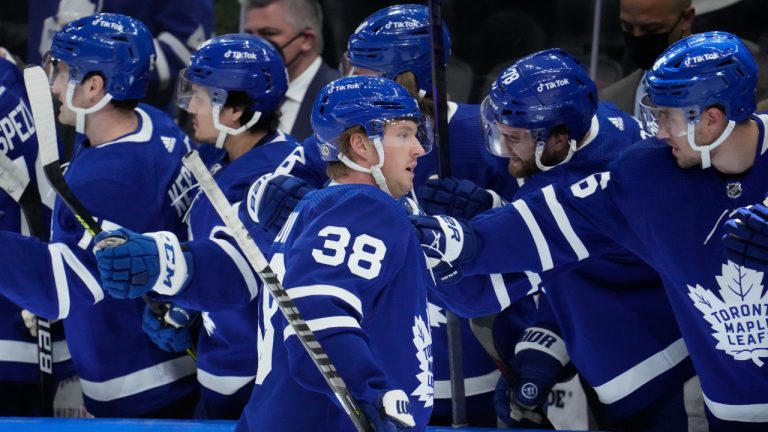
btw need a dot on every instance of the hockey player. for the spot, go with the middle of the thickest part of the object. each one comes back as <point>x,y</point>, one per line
<point>178,28</point>
<point>127,171</point>
<point>701,103</point>
<point>542,114</point>
<point>394,43</point>
<point>232,89</point>
<point>21,396</point>
<point>370,129</point>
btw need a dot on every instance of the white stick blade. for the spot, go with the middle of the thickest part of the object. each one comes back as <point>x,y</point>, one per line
<point>39,93</point>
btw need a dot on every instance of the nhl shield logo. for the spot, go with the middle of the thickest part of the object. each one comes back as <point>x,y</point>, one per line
<point>733,189</point>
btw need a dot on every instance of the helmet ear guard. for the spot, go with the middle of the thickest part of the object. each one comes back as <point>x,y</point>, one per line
<point>536,94</point>
<point>701,71</point>
<point>369,102</point>
<point>236,62</point>
<point>117,47</point>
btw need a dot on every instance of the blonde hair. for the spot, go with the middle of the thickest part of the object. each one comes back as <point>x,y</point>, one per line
<point>337,169</point>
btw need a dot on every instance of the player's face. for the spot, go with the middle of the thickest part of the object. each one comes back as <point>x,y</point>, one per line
<point>519,144</point>
<point>59,81</point>
<point>673,128</point>
<point>401,148</point>
<point>202,117</point>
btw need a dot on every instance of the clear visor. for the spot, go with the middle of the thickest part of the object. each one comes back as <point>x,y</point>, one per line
<point>347,69</point>
<point>398,132</point>
<point>667,122</point>
<point>508,141</point>
<point>195,98</point>
<point>55,69</point>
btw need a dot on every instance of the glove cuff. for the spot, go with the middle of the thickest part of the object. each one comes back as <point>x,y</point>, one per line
<point>395,405</point>
<point>547,341</point>
<point>496,200</point>
<point>173,271</point>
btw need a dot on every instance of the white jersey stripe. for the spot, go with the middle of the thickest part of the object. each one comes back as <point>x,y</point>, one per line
<point>642,373</point>
<point>26,352</point>
<point>500,289</point>
<point>226,385</point>
<point>538,237</point>
<point>327,290</point>
<point>472,386</point>
<point>242,265</point>
<point>139,381</point>
<point>319,324</point>
<point>750,413</point>
<point>564,224</point>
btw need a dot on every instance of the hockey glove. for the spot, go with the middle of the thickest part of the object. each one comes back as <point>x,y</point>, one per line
<point>153,261</point>
<point>389,412</point>
<point>272,198</point>
<point>746,237</point>
<point>461,199</point>
<point>168,327</point>
<point>447,243</point>
<point>540,362</point>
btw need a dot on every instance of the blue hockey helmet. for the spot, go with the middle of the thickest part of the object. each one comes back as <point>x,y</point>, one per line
<point>696,73</point>
<point>536,93</point>
<point>706,69</point>
<point>117,46</point>
<point>360,100</point>
<point>369,102</point>
<point>242,62</point>
<point>395,40</point>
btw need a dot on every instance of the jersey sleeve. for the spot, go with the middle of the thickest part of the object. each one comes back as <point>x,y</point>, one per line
<point>549,227</point>
<point>335,271</point>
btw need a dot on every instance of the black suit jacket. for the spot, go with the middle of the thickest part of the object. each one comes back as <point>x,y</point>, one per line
<point>302,127</point>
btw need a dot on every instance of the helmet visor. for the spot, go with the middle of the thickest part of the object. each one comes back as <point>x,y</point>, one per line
<point>667,121</point>
<point>504,140</point>
<point>348,69</point>
<point>193,97</point>
<point>405,130</point>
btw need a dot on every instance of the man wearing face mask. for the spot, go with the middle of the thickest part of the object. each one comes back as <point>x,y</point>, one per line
<point>649,27</point>
<point>296,28</point>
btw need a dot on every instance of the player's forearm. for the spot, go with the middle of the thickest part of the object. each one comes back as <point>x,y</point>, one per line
<point>221,280</point>
<point>39,277</point>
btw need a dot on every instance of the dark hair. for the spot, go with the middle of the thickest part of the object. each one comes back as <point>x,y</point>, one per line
<point>269,121</point>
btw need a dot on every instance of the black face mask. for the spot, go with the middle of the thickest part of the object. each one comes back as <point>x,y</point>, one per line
<point>645,49</point>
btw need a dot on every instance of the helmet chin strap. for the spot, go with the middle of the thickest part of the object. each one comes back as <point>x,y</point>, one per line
<point>706,159</point>
<point>81,112</point>
<point>572,147</point>
<point>225,130</point>
<point>375,170</point>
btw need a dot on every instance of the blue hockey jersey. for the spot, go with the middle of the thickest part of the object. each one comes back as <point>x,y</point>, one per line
<point>135,181</point>
<point>356,272</point>
<point>643,355</point>
<point>227,357</point>
<point>672,219</point>
<point>18,141</point>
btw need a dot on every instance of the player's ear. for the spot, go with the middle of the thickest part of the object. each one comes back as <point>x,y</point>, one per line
<point>95,84</point>
<point>360,147</point>
<point>714,116</point>
<point>231,115</point>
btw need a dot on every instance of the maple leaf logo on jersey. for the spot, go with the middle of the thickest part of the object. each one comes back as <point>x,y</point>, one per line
<point>739,319</point>
<point>208,324</point>
<point>422,339</point>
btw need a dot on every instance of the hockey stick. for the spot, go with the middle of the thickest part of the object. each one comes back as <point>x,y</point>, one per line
<point>259,263</point>
<point>41,104</point>
<point>19,187</point>
<point>440,99</point>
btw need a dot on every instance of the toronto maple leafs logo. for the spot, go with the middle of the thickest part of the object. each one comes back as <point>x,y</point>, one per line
<point>422,339</point>
<point>739,320</point>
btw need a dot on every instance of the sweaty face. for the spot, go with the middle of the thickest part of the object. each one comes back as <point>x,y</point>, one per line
<point>401,148</point>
